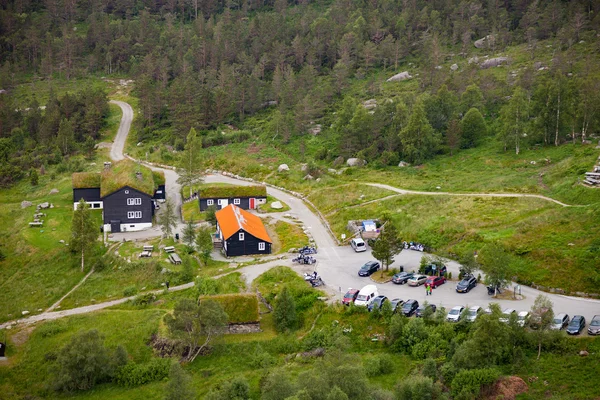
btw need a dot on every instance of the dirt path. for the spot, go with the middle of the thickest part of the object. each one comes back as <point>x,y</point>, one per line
<point>116,151</point>
<point>53,306</point>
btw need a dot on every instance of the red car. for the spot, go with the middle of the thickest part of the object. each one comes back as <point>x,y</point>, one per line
<point>350,296</point>
<point>435,281</point>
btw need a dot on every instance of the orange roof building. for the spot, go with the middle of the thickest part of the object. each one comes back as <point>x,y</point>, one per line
<point>242,233</point>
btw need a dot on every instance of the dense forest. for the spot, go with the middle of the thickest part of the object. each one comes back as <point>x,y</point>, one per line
<point>201,64</point>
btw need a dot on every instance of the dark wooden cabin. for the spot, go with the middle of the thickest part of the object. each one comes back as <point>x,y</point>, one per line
<point>241,232</point>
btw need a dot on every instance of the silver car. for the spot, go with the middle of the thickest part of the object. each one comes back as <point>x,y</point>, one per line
<point>473,313</point>
<point>560,321</point>
<point>505,317</point>
<point>594,328</point>
<point>523,318</point>
<point>455,313</point>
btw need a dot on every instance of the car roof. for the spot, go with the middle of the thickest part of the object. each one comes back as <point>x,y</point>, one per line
<point>358,240</point>
<point>508,311</point>
<point>576,317</point>
<point>352,291</point>
<point>396,300</point>
<point>523,313</point>
<point>474,308</point>
<point>409,301</point>
<point>595,317</point>
<point>381,297</point>
<point>457,307</point>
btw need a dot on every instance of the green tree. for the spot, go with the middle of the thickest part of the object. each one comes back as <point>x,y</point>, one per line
<point>83,231</point>
<point>277,386</point>
<point>418,139</point>
<point>453,135</point>
<point>336,394</point>
<point>209,215</point>
<point>429,369</point>
<point>513,119</point>
<point>417,387</point>
<point>190,165</point>
<point>387,245</point>
<point>66,137</point>
<point>34,177</point>
<point>284,311</point>
<point>441,109</point>
<point>235,389</point>
<point>473,129</point>
<point>204,244</point>
<point>197,324</point>
<point>542,316</point>
<point>82,363</point>
<point>167,219</point>
<point>495,263</point>
<point>179,386</point>
<point>187,269</point>
<point>468,264</point>
<point>189,235</point>
<point>471,98</point>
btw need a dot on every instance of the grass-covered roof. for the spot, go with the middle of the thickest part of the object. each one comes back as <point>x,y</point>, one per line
<point>123,173</point>
<point>232,191</point>
<point>86,180</point>
<point>159,178</point>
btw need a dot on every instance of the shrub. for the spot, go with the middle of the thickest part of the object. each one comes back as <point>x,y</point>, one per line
<point>467,383</point>
<point>51,328</point>
<point>417,387</point>
<point>129,291</point>
<point>143,299</point>
<point>284,311</point>
<point>379,365</point>
<point>138,374</point>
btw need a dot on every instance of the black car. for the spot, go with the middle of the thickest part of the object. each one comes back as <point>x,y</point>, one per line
<point>421,310</point>
<point>433,270</point>
<point>369,268</point>
<point>377,303</point>
<point>576,325</point>
<point>402,277</point>
<point>467,283</point>
<point>410,307</point>
<point>396,304</point>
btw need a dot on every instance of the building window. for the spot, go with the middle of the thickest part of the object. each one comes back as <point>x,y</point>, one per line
<point>241,236</point>
<point>134,201</point>
<point>210,202</point>
<point>134,214</point>
<point>261,246</point>
<point>159,192</point>
<point>132,226</point>
<point>236,201</point>
<point>96,205</point>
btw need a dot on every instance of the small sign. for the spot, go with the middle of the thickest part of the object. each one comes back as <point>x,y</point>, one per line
<point>343,236</point>
<point>2,349</point>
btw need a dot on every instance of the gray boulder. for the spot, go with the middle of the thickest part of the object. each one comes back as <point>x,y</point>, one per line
<point>403,164</point>
<point>44,205</point>
<point>454,67</point>
<point>25,204</point>
<point>484,42</point>
<point>283,167</point>
<point>355,162</point>
<point>277,205</point>
<point>402,76</point>
<point>304,167</point>
<point>494,62</point>
<point>369,104</point>
<point>54,191</point>
<point>308,177</point>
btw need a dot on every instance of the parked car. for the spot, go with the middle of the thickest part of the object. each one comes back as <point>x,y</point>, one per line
<point>466,284</point>
<point>402,277</point>
<point>421,310</point>
<point>417,280</point>
<point>576,325</point>
<point>433,269</point>
<point>396,304</point>
<point>435,281</point>
<point>350,296</point>
<point>523,318</point>
<point>560,321</point>
<point>455,313</point>
<point>594,328</point>
<point>410,307</point>
<point>377,302</point>
<point>368,268</point>
<point>358,245</point>
<point>505,317</point>
<point>365,295</point>
<point>488,311</point>
<point>473,313</point>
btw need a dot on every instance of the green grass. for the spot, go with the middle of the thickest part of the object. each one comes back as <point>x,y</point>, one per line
<point>267,206</point>
<point>287,236</point>
<point>240,308</point>
<point>191,211</point>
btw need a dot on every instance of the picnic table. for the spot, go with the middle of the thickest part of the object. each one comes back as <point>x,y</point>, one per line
<point>36,224</point>
<point>170,249</point>
<point>174,258</point>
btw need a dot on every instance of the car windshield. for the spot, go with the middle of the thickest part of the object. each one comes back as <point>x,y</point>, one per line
<point>348,295</point>
<point>595,322</point>
<point>361,297</point>
<point>407,306</point>
<point>522,317</point>
<point>472,313</point>
<point>454,311</point>
<point>464,282</point>
<point>574,322</point>
<point>366,266</point>
<point>557,321</point>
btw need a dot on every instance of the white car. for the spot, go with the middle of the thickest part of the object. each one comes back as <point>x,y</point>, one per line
<point>358,245</point>
<point>523,318</point>
<point>454,314</point>
<point>506,315</point>
<point>473,313</point>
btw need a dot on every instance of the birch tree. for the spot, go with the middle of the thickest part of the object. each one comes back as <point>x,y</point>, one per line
<point>190,167</point>
<point>83,231</point>
<point>513,118</point>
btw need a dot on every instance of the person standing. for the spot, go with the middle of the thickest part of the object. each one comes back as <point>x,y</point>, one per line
<point>427,289</point>
<point>430,290</point>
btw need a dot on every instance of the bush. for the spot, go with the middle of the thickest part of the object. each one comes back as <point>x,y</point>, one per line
<point>467,383</point>
<point>417,387</point>
<point>379,365</point>
<point>138,374</point>
<point>129,291</point>
<point>143,299</point>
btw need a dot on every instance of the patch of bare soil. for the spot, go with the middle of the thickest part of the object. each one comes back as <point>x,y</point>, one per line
<point>20,337</point>
<point>507,388</point>
<point>253,148</point>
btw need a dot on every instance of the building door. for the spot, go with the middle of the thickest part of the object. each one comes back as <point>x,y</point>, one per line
<point>252,205</point>
<point>115,226</point>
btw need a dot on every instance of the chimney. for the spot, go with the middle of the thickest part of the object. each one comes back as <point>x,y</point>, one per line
<point>138,174</point>
<point>107,165</point>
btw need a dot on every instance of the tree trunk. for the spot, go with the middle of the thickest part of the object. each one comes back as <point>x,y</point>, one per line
<point>82,260</point>
<point>557,120</point>
<point>539,349</point>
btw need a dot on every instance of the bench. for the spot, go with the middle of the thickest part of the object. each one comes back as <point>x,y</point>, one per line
<point>39,215</point>
<point>593,174</point>
<point>174,258</point>
<point>170,249</point>
<point>36,224</point>
<point>148,248</point>
<point>145,254</point>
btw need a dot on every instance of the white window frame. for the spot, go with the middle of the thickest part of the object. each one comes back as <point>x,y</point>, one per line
<point>261,246</point>
<point>210,202</point>
<point>241,236</point>
<point>236,202</point>
<point>134,201</point>
<point>134,214</point>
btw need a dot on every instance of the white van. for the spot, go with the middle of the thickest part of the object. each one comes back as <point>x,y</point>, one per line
<point>358,245</point>
<point>366,295</point>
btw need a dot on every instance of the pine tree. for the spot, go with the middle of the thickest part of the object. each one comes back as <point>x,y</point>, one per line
<point>168,219</point>
<point>180,385</point>
<point>83,231</point>
<point>284,311</point>
<point>204,244</point>
<point>473,129</point>
<point>189,235</point>
<point>418,138</point>
<point>190,168</point>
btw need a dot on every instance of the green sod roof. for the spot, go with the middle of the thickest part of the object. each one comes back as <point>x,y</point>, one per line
<point>123,173</point>
<point>86,180</point>
<point>232,191</point>
<point>159,178</point>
